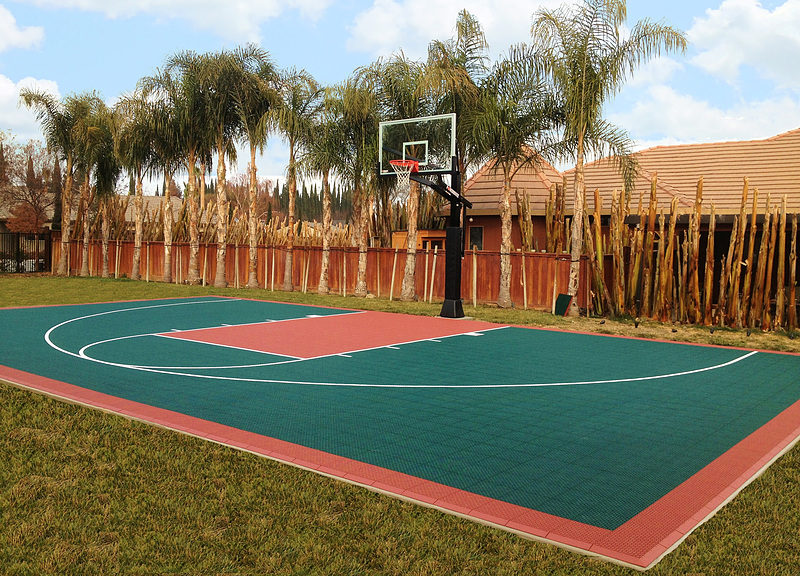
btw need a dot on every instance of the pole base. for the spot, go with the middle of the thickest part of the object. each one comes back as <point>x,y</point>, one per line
<point>452,309</point>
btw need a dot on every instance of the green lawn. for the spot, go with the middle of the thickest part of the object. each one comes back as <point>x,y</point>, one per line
<point>84,492</point>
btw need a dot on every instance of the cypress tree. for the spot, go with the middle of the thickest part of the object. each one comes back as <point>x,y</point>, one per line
<point>3,168</point>
<point>30,175</point>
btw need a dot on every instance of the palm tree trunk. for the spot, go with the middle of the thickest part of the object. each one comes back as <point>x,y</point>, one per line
<point>409,289</point>
<point>577,232</point>
<point>106,229</point>
<point>193,276</point>
<point>326,234</point>
<point>194,240</point>
<point>202,184</point>
<point>252,280</point>
<point>66,220</point>
<point>167,220</point>
<point>85,224</point>
<point>222,218</point>
<point>288,275</point>
<point>363,240</point>
<point>504,295</point>
<point>137,236</point>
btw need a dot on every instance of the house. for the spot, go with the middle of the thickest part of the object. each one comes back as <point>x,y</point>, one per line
<point>772,166</point>
<point>426,239</point>
<point>4,216</point>
<point>484,190</point>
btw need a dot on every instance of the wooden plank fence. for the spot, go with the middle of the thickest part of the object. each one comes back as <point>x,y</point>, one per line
<point>536,278</point>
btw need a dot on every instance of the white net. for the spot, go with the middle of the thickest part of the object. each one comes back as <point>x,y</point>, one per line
<point>403,169</point>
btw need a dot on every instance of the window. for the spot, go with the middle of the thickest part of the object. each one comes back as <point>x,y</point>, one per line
<point>476,237</point>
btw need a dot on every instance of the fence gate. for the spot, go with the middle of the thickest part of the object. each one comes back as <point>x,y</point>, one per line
<point>25,252</point>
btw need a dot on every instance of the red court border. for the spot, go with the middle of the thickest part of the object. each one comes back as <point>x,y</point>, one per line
<point>639,543</point>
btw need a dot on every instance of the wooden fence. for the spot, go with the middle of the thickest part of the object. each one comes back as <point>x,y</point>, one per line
<point>536,278</point>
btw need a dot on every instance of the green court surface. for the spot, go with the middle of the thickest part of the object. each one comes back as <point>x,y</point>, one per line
<point>573,438</point>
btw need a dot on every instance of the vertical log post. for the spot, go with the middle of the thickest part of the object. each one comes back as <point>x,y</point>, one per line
<point>792,322</point>
<point>750,263</point>
<point>780,297</point>
<point>766,317</point>
<point>708,289</point>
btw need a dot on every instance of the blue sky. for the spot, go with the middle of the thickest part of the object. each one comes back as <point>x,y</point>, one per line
<point>738,79</point>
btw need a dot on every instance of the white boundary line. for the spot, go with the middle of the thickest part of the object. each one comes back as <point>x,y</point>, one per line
<point>172,371</point>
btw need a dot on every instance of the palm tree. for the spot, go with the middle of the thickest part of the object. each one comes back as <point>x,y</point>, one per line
<point>255,95</point>
<point>182,84</point>
<point>399,81</point>
<point>107,173</point>
<point>134,145</point>
<point>588,58</point>
<point>96,161</point>
<point>453,74</point>
<point>61,123</point>
<point>325,155</point>
<point>356,103</point>
<point>509,125</point>
<point>168,146</point>
<point>301,102</point>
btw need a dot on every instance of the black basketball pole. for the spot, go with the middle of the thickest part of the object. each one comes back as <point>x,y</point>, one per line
<point>453,306</point>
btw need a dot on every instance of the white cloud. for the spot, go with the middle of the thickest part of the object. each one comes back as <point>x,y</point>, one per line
<point>682,118</point>
<point>238,20</point>
<point>11,36</point>
<point>743,33</point>
<point>19,119</point>
<point>389,25</point>
<point>656,71</point>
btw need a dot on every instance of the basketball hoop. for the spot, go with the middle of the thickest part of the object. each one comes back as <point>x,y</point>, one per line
<point>403,169</point>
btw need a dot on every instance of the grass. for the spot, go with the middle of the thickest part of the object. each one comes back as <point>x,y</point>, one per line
<point>84,492</point>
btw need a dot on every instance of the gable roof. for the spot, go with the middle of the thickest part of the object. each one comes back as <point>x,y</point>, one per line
<point>771,165</point>
<point>484,188</point>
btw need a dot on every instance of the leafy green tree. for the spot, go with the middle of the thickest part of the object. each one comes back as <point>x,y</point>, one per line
<point>588,55</point>
<point>509,125</point>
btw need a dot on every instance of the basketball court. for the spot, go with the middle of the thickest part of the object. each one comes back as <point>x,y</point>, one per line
<point>608,446</point>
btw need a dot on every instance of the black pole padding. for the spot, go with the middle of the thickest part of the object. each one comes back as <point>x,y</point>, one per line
<point>453,306</point>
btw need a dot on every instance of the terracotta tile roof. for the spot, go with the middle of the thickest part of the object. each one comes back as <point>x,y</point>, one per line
<point>771,165</point>
<point>483,189</point>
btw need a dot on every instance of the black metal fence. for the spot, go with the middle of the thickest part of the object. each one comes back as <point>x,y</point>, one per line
<point>25,252</point>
